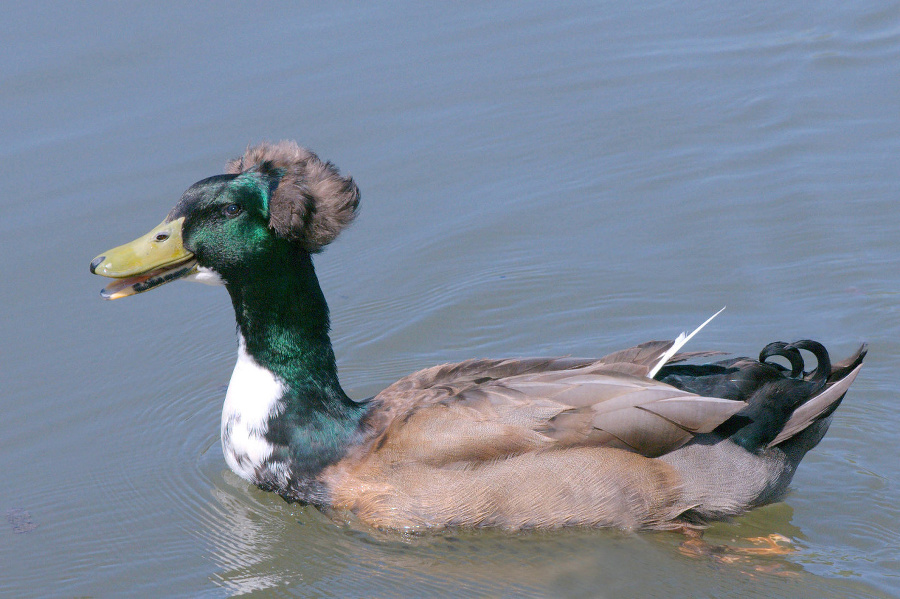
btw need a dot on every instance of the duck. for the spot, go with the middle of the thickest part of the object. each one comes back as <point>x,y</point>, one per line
<point>642,438</point>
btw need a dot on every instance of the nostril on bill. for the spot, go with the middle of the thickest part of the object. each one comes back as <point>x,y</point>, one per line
<point>161,236</point>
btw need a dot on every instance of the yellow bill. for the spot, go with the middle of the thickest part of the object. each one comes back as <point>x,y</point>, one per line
<point>147,262</point>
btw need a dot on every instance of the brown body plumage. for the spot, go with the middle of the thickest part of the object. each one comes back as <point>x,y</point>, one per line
<point>551,443</point>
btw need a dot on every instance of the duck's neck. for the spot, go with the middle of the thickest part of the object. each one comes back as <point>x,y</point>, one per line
<point>283,322</point>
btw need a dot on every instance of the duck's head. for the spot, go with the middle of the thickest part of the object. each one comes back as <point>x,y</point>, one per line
<point>273,201</point>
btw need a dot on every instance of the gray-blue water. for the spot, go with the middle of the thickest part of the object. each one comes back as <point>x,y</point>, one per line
<point>538,178</point>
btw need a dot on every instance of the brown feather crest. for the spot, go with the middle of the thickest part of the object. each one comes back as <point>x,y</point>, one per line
<point>312,202</point>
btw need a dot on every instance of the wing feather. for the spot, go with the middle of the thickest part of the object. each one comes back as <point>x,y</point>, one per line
<point>484,409</point>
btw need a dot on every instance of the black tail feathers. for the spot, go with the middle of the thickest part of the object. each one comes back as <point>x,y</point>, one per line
<point>772,391</point>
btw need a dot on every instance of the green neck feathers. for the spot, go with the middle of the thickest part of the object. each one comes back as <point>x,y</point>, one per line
<point>283,318</point>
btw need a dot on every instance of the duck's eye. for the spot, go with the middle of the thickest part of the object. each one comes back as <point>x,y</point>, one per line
<point>232,210</point>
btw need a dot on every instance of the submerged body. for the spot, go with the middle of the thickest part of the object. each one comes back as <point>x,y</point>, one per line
<point>633,440</point>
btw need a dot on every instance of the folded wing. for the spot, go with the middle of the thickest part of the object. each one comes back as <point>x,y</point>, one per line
<point>488,409</point>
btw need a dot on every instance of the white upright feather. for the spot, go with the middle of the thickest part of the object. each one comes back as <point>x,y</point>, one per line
<point>680,341</point>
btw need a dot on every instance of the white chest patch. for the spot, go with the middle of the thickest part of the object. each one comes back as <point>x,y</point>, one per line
<point>252,398</point>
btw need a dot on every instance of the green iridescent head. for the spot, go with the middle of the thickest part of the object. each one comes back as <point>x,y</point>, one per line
<point>275,199</point>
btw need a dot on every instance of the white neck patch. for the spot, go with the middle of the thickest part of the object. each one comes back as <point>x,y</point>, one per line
<point>205,275</point>
<point>253,397</point>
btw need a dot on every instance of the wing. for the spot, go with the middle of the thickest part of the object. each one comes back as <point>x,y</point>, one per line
<point>487,409</point>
